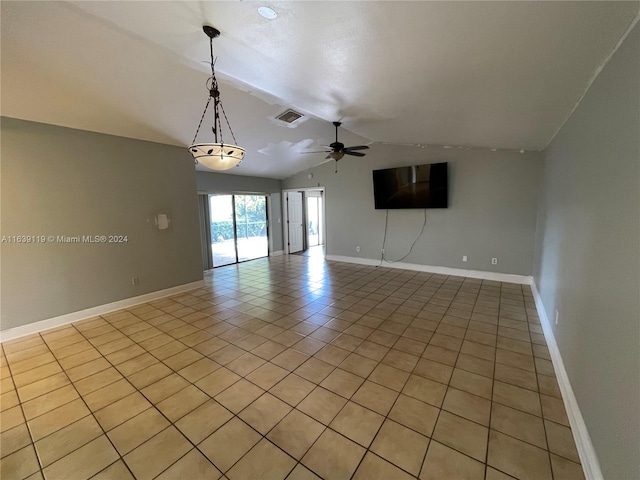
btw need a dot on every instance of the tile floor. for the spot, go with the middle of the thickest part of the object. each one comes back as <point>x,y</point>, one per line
<point>297,368</point>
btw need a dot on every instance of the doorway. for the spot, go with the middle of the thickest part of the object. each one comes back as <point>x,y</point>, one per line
<point>315,215</point>
<point>304,214</point>
<point>238,228</point>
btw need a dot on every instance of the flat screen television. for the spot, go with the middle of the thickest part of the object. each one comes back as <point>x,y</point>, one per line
<point>418,186</point>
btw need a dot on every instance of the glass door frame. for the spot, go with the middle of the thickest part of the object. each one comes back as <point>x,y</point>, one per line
<point>234,219</point>
<point>318,200</point>
<point>241,247</point>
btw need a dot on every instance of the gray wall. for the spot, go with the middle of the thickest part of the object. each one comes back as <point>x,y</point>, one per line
<point>60,181</point>
<point>587,262</point>
<point>211,182</point>
<point>492,208</point>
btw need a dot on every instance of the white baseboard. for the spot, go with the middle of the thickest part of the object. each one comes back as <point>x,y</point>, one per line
<point>277,253</point>
<point>49,323</point>
<point>499,277</point>
<point>587,453</point>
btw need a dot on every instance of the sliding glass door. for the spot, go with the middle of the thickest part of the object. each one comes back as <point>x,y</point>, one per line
<point>251,226</point>
<point>223,241</point>
<point>238,228</point>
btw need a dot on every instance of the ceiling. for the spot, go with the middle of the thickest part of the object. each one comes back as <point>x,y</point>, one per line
<point>483,74</point>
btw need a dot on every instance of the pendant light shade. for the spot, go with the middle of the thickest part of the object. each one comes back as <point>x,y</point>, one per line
<point>216,155</point>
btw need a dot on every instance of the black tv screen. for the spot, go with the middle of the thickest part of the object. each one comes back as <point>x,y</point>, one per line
<point>418,186</point>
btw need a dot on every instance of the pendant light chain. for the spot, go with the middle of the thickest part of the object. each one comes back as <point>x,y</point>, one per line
<point>215,94</point>
<point>201,120</point>
<point>213,76</point>
<point>228,125</point>
<point>215,155</point>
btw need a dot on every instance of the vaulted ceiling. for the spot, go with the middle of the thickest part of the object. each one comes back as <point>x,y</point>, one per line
<point>484,74</point>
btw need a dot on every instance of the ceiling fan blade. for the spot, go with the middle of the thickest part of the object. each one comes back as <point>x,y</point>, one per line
<point>327,157</point>
<point>317,151</point>
<point>355,154</point>
<point>358,147</point>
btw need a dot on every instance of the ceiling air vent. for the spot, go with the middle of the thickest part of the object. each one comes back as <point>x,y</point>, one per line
<point>289,116</point>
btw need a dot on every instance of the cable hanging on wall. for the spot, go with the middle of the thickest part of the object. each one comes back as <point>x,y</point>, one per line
<point>384,240</point>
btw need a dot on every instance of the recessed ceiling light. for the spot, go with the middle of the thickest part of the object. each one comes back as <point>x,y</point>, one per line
<point>268,13</point>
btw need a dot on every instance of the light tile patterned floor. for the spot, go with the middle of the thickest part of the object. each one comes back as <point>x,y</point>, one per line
<point>293,367</point>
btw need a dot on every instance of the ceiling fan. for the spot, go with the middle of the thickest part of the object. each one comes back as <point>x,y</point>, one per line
<point>337,150</point>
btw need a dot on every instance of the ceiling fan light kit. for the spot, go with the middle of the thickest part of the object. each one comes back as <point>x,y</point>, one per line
<point>217,155</point>
<point>338,150</point>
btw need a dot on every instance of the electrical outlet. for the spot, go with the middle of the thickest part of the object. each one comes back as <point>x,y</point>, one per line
<point>358,248</point>
<point>135,281</point>
<point>464,258</point>
<point>556,317</point>
<point>494,261</point>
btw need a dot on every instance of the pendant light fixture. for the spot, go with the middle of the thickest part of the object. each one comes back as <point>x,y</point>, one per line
<point>217,155</point>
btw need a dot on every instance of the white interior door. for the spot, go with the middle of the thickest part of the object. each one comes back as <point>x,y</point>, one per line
<point>294,221</point>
